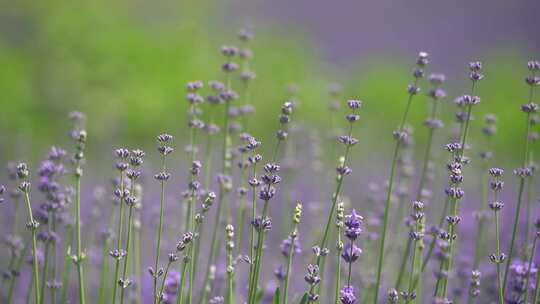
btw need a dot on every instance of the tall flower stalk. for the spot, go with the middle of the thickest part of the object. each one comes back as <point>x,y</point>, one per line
<point>226,96</point>
<point>417,237</point>
<point>187,265</point>
<point>33,225</point>
<point>525,171</point>
<point>162,177</point>
<point>436,93</point>
<point>79,136</point>
<point>246,77</point>
<point>122,194</point>
<point>340,215</point>
<point>135,161</point>
<point>454,192</point>
<point>229,247</point>
<point>289,246</point>
<point>486,155</point>
<point>496,206</point>
<point>194,124</point>
<point>262,224</point>
<point>399,136</point>
<point>341,171</point>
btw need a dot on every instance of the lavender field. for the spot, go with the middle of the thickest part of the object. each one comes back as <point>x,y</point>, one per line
<point>249,187</point>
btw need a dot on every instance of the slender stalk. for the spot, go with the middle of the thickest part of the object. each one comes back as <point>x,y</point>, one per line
<point>498,242</point>
<point>388,197</point>
<point>137,256</point>
<point>229,230</point>
<point>53,251</point>
<point>191,221</point>
<point>160,228</point>
<point>128,240</point>
<point>335,196</point>
<point>222,199</point>
<point>421,185</point>
<point>252,227</point>
<point>258,256</point>
<point>255,270</point>
<point>530,198</point>
<point>66,273</point>
<point>338,267</point>
<point>165,277</point>
<point>29,290</point>
<point>35,264</point>
<point>524,163</point>
<point>119,233</point>
<point>45,268</point>
<point>293,235</point>
<point>518,206</point>
<point>104,273</point>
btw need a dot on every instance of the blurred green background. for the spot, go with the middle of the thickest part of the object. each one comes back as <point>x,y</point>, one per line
<point>125,64</point>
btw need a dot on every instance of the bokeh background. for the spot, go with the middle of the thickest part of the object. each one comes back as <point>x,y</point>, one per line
<point>125,63</point>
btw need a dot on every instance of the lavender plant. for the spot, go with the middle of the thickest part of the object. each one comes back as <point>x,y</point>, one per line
<point>163,176</point>
<point>525,172</point>
<point>342,170</point>
<point>399,136</point>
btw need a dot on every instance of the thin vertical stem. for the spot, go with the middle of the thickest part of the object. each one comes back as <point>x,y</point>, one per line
<point>160,228</point>
<point>80,258</point>
<point>45,268</point>
<point>289,265</point>
<point>498,241</point>
<point>119,234</point>
<point>521,188</point>
<point>35,264</point>
<point>388,197</point>
<point>518,206</point>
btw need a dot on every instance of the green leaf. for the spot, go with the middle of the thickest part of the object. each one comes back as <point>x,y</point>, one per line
<point>276,296</point>
<point>304,299</point>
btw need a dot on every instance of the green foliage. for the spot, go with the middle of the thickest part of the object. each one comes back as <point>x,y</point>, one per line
<point>125,65</point>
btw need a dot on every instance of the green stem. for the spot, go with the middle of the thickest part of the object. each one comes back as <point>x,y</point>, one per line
<point>45,268</point>
<point>35,264</point>
<point>514,232</point>
<point>252,228</point>
<point>80,270</point>
<point>53,249</point>
<point>498,240</point>
<point>388,197</point>
<point>119,238</point>
<point>164,278</point>
<point>335,196</point>
<point>222,200</point>
<point>66,272</point>
<point>530,197</point>
<point>258,256</point>
<point>160,228</point>
<point>289,264</point>
<point>128,239</point>
<point>520,193</point>
<point>338,271</point>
